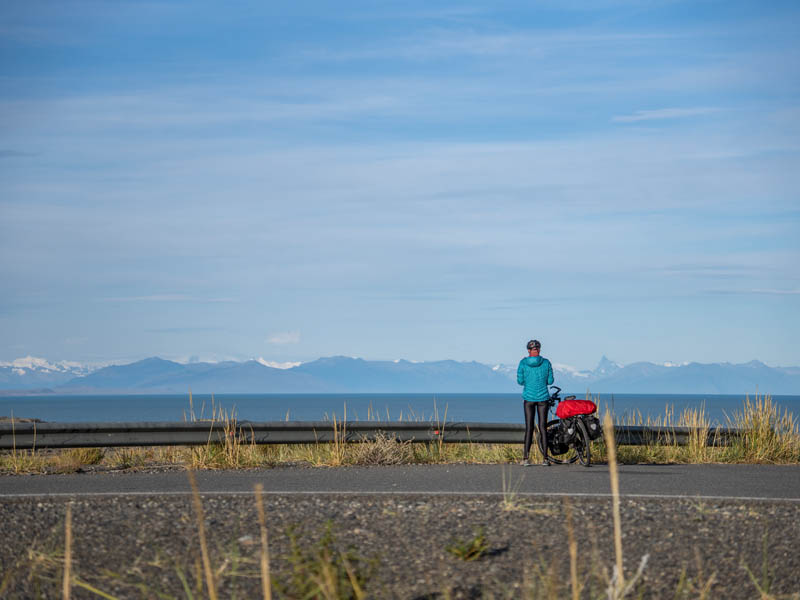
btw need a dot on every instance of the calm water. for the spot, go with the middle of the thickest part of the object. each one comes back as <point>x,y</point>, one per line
<point>492,408</point>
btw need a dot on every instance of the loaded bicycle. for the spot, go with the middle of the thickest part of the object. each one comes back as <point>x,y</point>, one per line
<point>574,429</point>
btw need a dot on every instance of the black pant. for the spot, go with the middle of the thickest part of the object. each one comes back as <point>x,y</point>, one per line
<point>535,409</point>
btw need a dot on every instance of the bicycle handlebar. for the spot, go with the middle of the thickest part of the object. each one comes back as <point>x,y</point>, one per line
<point>554,396</point>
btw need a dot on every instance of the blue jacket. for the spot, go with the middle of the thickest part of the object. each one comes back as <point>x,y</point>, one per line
<point>535,373</point>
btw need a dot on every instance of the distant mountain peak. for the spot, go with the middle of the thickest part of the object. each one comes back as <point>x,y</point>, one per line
<point>153,360</point>
<point>606,366</point>
<point>755,364</point>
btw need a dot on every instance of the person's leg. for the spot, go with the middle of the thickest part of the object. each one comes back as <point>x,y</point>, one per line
<point>529,417</point>
<point>541,409</point>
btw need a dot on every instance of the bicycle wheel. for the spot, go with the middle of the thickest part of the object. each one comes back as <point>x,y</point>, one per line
<point>583,445</point>
<point>559,453</point>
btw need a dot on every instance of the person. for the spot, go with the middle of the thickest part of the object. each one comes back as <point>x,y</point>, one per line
<point>535,373</point>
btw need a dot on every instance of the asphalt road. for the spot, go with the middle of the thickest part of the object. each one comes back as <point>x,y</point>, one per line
<point>676,481</point>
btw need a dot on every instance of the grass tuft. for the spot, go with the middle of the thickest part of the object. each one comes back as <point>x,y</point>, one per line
<point>473,548</point>
<point>383,450</point>
<point>321,570</point>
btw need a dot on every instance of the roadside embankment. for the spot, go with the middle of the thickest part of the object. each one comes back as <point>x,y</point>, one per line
<point>396,546</point>
<point>769,436</point>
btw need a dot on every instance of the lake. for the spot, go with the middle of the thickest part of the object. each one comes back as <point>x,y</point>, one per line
<point>492,408</point>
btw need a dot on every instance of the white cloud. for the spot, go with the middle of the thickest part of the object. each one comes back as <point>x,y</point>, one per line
<point>278,365</point>
<point>664,113</point>
<point>570,370</point>
<point>286,337</point>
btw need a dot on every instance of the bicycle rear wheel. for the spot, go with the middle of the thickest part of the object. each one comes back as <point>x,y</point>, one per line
<point>582,444</point>
<point>559,453</point>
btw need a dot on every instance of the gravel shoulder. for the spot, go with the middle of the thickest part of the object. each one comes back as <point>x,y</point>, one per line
<point>147,546</point>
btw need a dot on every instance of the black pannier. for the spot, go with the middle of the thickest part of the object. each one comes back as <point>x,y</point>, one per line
<point>566,430</point>
<point>593,427</point>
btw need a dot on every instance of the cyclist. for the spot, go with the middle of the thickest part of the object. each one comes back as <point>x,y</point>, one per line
<point>535,373</point>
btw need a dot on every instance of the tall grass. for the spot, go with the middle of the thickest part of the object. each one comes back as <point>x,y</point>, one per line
<point>266,586</point>
<point>575,586</point>
<point>211,584</point>
<point>66,585</point>
<point>770,435</point>
<point>608,428</point>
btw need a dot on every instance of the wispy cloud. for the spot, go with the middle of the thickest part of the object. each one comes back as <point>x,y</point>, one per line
<point>165,298</point>
<point>6,153</point>
<point>664,113</point>
<point>759,291</point>
<point>286,337</point>
<point>182,329</point>
<point>776,292</point>
<point>446,43</point>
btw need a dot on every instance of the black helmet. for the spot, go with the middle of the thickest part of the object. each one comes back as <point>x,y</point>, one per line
<point>534,344</point>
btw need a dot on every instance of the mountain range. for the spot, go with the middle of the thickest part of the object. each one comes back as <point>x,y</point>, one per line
<point>340,374</point>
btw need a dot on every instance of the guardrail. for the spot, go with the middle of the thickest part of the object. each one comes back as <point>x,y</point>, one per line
<point>85,435</point>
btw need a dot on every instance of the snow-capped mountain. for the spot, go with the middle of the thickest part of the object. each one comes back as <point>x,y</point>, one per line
<point>32,372</point>
<point>341,374</point>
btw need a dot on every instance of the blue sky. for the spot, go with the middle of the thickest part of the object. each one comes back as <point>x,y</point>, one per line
<point>400,180</point>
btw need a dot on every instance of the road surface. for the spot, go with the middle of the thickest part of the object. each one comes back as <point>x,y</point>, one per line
<point>678,481</point>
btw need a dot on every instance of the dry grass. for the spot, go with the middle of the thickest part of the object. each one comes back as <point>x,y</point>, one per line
<point>66,588</point>
<point>266,587</point>
<point>211,584</point>
<point>771,436</point>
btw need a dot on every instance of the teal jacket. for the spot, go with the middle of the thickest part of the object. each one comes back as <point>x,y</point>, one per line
<point>535,373</point>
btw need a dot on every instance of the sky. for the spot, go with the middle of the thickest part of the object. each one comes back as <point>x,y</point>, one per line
<point>419,180</point>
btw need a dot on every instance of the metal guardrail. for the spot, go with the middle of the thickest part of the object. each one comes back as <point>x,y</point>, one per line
<point>85,435</point>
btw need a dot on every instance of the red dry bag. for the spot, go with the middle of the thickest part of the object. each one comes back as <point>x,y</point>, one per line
<point>571,408</point>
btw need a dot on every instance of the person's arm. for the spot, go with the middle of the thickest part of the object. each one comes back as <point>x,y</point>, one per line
<point>549,373</point>
<point>520,374</point>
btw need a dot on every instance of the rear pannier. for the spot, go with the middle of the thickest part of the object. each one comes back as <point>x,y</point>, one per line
<point>593,426</point>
